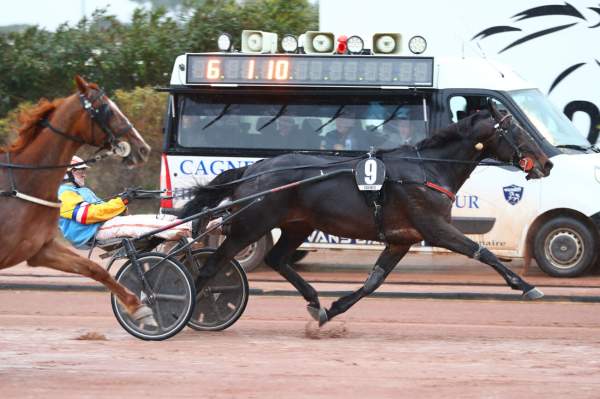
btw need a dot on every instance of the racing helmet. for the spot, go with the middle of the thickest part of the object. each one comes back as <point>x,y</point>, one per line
<point>77,161</point>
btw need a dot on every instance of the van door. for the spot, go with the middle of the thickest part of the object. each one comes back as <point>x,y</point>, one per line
<point>496,204</point>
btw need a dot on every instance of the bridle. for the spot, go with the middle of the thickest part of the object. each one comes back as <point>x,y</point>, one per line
<point>99,115</point>
<point>525,163</point>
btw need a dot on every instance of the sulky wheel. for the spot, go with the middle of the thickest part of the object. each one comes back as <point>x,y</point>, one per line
<point>169,293</point>
<point>223,298</point>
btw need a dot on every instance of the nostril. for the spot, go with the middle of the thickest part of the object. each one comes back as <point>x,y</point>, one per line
<point>144,151</point>
<point>548,166</point>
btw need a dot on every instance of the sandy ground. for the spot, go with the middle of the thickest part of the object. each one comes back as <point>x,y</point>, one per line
<point>383,348</point>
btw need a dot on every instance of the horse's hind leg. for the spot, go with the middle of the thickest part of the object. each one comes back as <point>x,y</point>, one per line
<point>228,249</point>
<point>278,259</point>
<point>386,262</point>
<point>57,256</point>
<point>442,234</point>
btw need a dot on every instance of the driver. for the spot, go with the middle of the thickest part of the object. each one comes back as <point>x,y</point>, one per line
<point>84,215</point>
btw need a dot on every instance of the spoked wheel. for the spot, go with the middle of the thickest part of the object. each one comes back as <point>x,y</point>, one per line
<point>222,300</point>
<point>170,294</point>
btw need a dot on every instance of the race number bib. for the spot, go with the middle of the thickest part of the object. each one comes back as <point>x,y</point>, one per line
<point>370,174</point>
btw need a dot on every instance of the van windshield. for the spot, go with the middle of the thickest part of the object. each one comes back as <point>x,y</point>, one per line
<point>300,123</point>
<point>548,120</point>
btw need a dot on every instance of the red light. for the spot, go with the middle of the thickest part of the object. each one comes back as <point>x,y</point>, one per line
<point>342,44</point>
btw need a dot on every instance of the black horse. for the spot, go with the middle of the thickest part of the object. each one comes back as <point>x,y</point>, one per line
<point>416,201</point>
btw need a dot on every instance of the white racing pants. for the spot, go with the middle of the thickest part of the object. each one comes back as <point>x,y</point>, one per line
<point>136,225</point>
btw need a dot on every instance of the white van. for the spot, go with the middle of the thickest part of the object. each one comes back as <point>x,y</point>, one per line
<point>229,109</point>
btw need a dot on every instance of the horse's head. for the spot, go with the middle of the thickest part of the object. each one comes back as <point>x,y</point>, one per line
<point>110,128</point>
<point>502,138</point>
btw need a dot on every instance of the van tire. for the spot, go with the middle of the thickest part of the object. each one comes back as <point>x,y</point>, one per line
<point>253,255</point>
<point>565,247</point>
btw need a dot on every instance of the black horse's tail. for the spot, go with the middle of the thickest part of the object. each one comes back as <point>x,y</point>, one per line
<point>210,195</point>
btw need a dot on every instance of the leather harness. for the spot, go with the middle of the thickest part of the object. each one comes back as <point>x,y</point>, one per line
<point>375,199</point>
<point>13,192</point>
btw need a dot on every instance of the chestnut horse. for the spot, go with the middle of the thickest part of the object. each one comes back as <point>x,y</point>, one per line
<point>414,204</point>
<point>49,136</point>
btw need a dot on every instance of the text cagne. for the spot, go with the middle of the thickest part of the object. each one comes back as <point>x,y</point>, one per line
<point>209,168</point>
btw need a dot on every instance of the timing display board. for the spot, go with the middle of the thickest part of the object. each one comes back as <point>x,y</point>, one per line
<point>309,70</point>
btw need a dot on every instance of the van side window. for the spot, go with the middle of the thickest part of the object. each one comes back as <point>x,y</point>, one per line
<point>462,106</point>
<point>458,105</point>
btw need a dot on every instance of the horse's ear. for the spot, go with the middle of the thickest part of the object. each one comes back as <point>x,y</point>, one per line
<point>82,85</point>
<point>493,110</point>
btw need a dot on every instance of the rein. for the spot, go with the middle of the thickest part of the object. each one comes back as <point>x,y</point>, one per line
<point>499,130</point>
<point>96,158</point>
<point>333,163</point>
<point>266,172</point>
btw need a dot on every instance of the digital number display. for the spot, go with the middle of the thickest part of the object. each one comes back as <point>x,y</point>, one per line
<point>308,70</point>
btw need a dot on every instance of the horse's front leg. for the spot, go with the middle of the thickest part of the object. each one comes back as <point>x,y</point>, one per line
<point>386,262</point>
<point>278,259</point>
<point>440,233</point>
<point>57,256</point>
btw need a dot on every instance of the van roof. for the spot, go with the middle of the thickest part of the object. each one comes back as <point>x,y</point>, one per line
<point>476,73</point>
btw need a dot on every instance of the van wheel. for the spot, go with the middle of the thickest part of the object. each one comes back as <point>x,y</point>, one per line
<point>253,255</point>
<point>564,247</point>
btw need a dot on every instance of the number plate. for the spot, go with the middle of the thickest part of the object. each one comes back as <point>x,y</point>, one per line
<point>370,174</point>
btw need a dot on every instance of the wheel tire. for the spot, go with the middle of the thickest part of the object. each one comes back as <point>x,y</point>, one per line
<point>216,313</point>
<point>173,279</point>
<point>253,255</point>
<point>298,255</point>
<point>565,247</point>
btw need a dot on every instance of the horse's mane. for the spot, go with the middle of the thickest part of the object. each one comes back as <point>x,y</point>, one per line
<point>28,121</point>
<point>452,132</point>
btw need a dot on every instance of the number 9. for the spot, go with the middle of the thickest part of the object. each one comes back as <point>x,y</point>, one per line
<point>370,171</point>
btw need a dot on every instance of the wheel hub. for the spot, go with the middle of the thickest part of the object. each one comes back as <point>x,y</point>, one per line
<point>564,248</point>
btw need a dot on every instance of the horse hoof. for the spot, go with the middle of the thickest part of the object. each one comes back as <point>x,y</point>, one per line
<point>144,315</point>
<point>533,293</point>
<point>313,311</point>
<point>323,318</point>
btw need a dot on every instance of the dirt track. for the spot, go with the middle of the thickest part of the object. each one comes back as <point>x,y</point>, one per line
<point>381,348</point>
